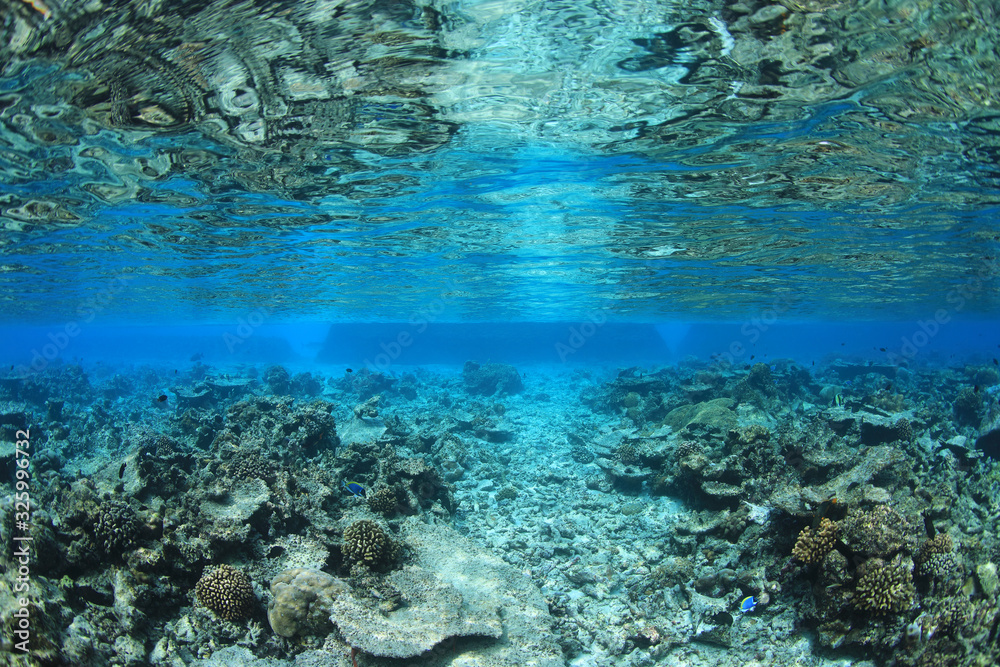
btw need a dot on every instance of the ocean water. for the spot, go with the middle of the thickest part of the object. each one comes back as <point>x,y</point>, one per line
<point>412,332</point>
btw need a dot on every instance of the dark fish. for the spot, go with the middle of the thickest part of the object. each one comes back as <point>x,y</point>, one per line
<point>996,363</point>
<point>747,367</point>
<point>929,526</point>
<point>752,357</point>
<point>881,349</point>
<point>814,363</point>
<point>350,370</point>
<point>121,471</point>
<point>175,371</point>
<point>161,398</point>
<point>821,512</point>
<point>975,388</point>
<point>843,343</point>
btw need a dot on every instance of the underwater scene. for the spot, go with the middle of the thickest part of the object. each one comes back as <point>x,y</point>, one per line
<point>499,333</point>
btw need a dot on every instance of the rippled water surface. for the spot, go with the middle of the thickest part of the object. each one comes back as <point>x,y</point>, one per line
<point>515,160</point>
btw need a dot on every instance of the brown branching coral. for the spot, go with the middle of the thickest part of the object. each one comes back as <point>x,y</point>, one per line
<point>383,500</point>
<point>936,562</point>
<point>939,544</point>
<point>813,546</point>
<point>884,588</point>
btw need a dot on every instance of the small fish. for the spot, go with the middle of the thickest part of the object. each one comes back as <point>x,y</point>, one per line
<point>350,370</point>
<point>121,471</point>
<point>752,357</point>
<point>748,603</point>
<point>161,398</point>
<point>881,349</point>
<point>821,511</point>
<point>996,363</point>
<point>355,488</point>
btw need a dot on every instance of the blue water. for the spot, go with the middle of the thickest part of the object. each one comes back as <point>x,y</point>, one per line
<point>620,299</point>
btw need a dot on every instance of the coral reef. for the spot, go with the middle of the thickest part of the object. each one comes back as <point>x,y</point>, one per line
<point>115,528</point>
<point>382,500</point>
<point>302,600</point>
<point>365,541</point>
<point>227,592</point>
<point>812,546</point>
<point>884,588</point>
<point>704,498</point>
<point>490,379</point>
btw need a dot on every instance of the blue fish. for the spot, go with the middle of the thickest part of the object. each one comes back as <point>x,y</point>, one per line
<point>355,488</point>
<point>748,603</point>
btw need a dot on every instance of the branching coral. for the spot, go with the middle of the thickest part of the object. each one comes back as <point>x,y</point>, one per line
<point>813,546</point>
<point>884,588</point>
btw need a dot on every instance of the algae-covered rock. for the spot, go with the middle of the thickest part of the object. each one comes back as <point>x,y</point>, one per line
<point>986,575</point>
<point>303,599</point>
<point>434,611</point>
<point>489,379</point>
<point>452,587</point>
<point>714,415</point>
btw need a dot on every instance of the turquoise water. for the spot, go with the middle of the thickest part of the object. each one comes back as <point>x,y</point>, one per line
<point>617,296</point>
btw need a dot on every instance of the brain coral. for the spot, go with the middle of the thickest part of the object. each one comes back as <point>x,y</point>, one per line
<point>365,541</point>
<point>302,601</point>
<point>227,592</point>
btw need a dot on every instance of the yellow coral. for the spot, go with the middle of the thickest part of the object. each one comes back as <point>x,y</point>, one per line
<point>812,547</point>
<point>883,587</point>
